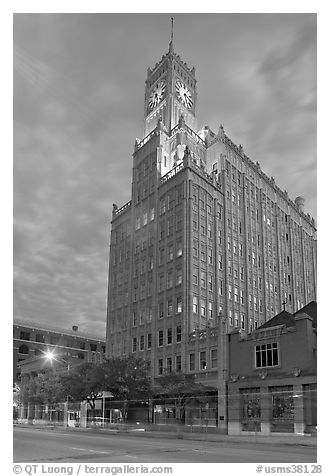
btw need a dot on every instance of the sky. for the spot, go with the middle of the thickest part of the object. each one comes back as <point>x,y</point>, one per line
<point>78,107</point>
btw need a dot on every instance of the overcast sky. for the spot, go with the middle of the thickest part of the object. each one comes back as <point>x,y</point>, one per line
<point>78,107</point>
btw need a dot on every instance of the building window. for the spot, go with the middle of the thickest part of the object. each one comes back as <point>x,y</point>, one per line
<point>169,336</point>
<point>203,279</point>
<point>210,310</point>
<point>178,365</point>
<point>202,360</point>
<point>23,349</point>
<point>179,305</point>
<point>236,295</point>
<point>229,291</point>
<point>203,307</point>
<point>266,355</point>
<point>178,334</point>
<point>170,253</point>
<point>179,248</point>
<point>160,338</point>
<point>161,310</point>
<point>161,255</point>
<point>191,362</point>
<point>242,321</point>
<point>236,319</point>
<point>93,347</point>
<point>169,365</point>
<point>160,367</point>
<point>55,339</point>
<point>134,319</point>
<point>169,307</point>
<point>195,304</point>
<point>230,317</point>
<point>195,276</point>
<point>149,341</point>
<point>24,335</point>
<point>40,338</point>
<point>179,276</point>
<point>134,344</point>
<point>210,282</point>
<point>169,279</point>
<point>141,342</point>
<point>214,358</point>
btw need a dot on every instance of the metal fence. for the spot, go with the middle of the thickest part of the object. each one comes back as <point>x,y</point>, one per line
<point>276,410</point>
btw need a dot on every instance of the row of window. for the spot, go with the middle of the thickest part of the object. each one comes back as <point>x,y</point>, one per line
<point>266,355</point>
<point>199,305</point>
<point>172,199</point>
<point>168,226</point>
<point>55,339</point>
<point>206,253</point>
<point>170,279</point>
<point>143,220</point>
<point>166,365</point>
<point>164,338</point>
<point>171,252</point>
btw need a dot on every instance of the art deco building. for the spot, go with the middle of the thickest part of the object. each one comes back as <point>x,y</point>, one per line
<point>205,231</point>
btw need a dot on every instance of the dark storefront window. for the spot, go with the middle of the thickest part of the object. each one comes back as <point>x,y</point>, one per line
<point>282,409</point>
<point>250,409</point>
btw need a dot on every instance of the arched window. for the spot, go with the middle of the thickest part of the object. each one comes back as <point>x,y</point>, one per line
<point>23,349</point>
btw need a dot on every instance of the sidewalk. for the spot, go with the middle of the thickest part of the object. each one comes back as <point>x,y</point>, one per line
<point>279,439</point>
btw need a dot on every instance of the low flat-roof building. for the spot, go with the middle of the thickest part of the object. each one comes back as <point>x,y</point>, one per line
<point>32,341</point>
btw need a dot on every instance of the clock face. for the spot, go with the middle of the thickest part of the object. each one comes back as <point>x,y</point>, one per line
<point>157,93</point>
<point>184,94</point>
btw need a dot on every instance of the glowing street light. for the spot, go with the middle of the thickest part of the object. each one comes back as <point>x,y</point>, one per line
<point>50,355</point>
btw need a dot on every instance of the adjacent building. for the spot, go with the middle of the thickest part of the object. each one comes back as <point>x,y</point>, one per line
<point>272,383</point>
<point>207,244</point>
<point>32,341</point>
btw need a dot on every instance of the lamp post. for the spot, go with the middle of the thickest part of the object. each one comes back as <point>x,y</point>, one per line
<point>51,356</point>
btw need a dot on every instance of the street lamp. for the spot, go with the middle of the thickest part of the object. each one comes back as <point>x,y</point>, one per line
<point>51,356</point>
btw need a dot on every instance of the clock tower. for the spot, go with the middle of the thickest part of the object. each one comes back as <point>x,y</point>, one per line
<point>170,92</point>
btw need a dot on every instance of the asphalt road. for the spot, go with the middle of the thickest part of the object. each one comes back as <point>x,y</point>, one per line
<point>50,446</point>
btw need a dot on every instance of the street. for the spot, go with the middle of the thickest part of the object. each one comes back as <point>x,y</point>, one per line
<point>55,446</point>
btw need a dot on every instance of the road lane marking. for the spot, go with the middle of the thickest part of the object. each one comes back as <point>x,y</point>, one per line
<point>87,449</point>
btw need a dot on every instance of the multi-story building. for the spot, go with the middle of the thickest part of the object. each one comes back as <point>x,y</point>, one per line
<point>32,341</point>
<point>205,231</point>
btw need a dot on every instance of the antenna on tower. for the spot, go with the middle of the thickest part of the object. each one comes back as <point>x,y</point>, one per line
<point>171,42</point>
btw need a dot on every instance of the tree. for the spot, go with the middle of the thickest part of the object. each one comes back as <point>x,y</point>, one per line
<point>84,382</point>
<point>49,388</point>
<point>127,380</point>
<point>181,388</point>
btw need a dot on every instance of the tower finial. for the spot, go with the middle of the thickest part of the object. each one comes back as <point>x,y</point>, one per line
<point>171,42</point>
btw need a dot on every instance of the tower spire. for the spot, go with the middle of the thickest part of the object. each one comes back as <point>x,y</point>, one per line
<point>171,42</point>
